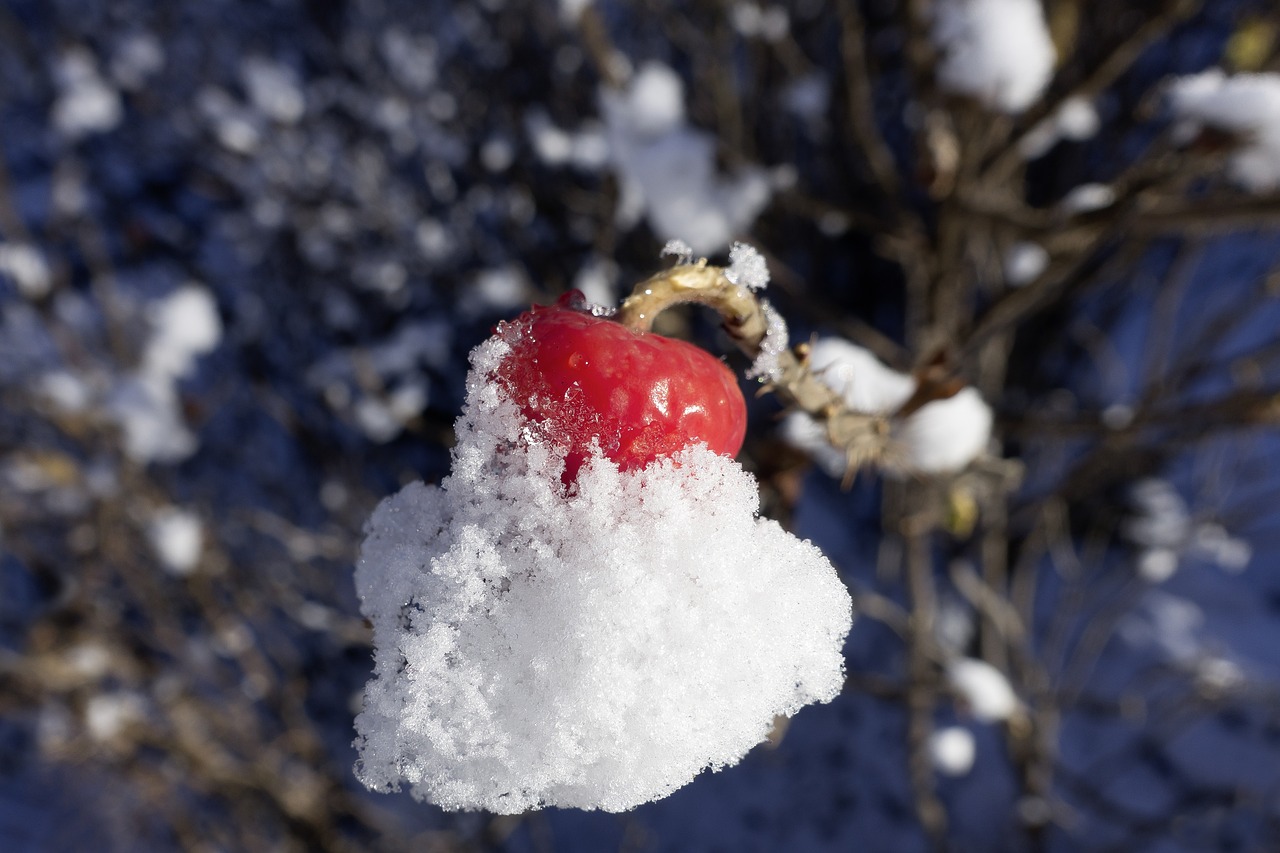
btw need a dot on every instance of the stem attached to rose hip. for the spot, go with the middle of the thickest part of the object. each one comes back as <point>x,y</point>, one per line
<point>863,438</point>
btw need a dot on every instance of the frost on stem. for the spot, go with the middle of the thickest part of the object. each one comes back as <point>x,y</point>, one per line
<point>536,648</point>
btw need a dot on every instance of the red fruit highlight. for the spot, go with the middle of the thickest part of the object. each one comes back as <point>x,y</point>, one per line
<point>579,377</point>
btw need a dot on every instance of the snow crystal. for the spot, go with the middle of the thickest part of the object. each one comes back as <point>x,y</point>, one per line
<point>940,437</point>
<point>26,265</point>
<point>984,689</point>
<point>747,267</point>
<point>537,648</point>
<point>776,339</point>
<point>998,51</point>
<point>667,170</point>
<point>952,750</point>
<point>178,538</point>
<point>1024,262</point>
<point>1247,105</point>
<point>678,249</point>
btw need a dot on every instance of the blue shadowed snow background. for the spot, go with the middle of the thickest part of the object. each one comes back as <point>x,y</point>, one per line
<point>245,248</point>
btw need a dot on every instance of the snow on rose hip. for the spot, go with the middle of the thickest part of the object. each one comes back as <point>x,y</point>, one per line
<point>579,377</point>
<point>601,645</point>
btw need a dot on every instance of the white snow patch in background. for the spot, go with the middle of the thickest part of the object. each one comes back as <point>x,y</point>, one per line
<point>1087,198</point>
<point>1024,262</point>
<point>942,436</point>
<point>1165,533</point>
<point>984,690</point>
<point>952,750</point>
<point>1077,119</point>
<point>1246,105</point>
<point>106,715</point>
<point>537,649</point>
<point>667,169</point>
<point>273,89</point>
<point>145,404</point>
<point>946,435</point>
<point>25,264</point>
<point>571,10</point>
<point>770,23</point>
<point>177,536</point>
<point>136,59</point>
<point>998,51</point>
<point>598,281</point>
<point>86,103</point>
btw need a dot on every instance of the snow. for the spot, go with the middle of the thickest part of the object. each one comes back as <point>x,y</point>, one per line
<point>678,249</point>
<point>86,104</point>
<point>771,23</point>
<point>25,264</point>
<point>747,267</point>
<point>1165,533</point>
<point>983,689</point>
<point>946,435</point>
<point>952,750</point>
<point>535,647</point>
<point>998,51</point>
<point>1245,105</point>
<point>1024,262</point>
<point>667,169</point>
<point>940,437</point>
<point>1087,198</point>
<point>145,404</point>
<point>273,90</point>
<point>137,58</point>
<point>1077,119</point>
<point>106,715</point>
<point>766,366</point>
<point>177,535</point>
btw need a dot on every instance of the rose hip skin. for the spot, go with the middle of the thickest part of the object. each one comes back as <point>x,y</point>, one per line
<point>580,377</point>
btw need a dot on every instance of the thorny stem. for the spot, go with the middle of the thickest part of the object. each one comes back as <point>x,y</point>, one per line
<point>863,437</point>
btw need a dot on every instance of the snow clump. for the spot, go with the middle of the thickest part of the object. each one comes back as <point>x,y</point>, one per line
<point>940,437</point>
<point>1244,105</point>
<point>985,690</point>
<point>952,750</point>
<point>146,406</point>
<point>998,51</point>
<point>594,649</point>
<point>667,170</point>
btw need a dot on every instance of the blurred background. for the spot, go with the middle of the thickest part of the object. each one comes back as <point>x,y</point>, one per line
<point>245,248</point>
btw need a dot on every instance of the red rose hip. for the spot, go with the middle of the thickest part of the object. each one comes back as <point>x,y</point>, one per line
<point>579,377</point>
